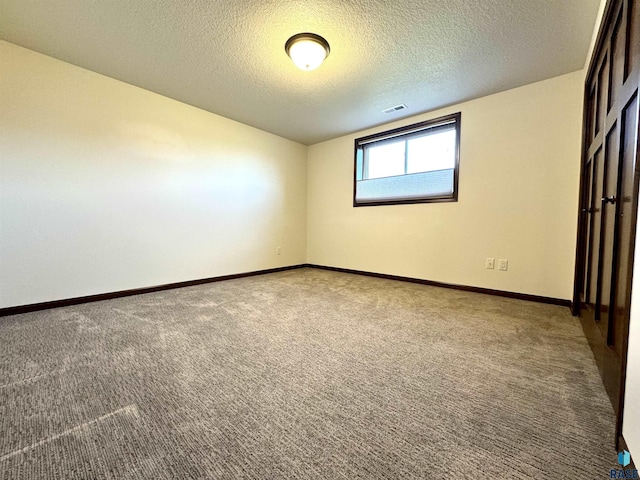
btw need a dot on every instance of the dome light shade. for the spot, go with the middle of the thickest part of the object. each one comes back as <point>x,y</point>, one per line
<point>307,50</point>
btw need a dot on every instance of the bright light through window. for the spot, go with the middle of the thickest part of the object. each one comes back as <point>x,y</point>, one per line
<point>385,160</point>
<point>432,152</point>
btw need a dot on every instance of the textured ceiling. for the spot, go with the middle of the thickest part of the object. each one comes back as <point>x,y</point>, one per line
<point>228,56</point>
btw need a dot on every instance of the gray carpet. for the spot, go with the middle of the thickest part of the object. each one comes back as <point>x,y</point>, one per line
<point>302,374</point>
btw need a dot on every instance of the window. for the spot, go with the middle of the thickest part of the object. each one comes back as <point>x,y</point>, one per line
<point>413,164</point>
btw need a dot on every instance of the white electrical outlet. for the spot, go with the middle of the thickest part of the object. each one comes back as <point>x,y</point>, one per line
<point>278,251</point>
<point>490,263</point>
<point>503,264</point>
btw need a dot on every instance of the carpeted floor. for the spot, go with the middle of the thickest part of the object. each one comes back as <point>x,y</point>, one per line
<point>302,374</point>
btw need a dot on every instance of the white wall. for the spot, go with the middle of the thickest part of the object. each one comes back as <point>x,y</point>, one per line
<point>105,186</point>
<point>518,194</point>
<point>631,419</point>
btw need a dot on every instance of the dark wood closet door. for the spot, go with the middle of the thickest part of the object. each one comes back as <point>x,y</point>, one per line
<point>593,220</point>
<point>609,195</point>
<point>607,230</point>
<point>626,226</point>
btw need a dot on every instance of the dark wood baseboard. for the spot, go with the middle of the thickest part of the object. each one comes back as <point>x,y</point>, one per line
<point>34,307</point>
<point>466,288</point>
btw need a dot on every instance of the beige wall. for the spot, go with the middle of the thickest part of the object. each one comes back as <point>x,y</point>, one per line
<point>631,420</point>
<point>105,187</point>
<point>518,191</point>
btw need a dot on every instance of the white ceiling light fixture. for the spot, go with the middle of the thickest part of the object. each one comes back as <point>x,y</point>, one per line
<point>307,50</point>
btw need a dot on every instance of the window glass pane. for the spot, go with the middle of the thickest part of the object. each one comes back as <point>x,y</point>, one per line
<point>432,152</point>
<point>385,160</point>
